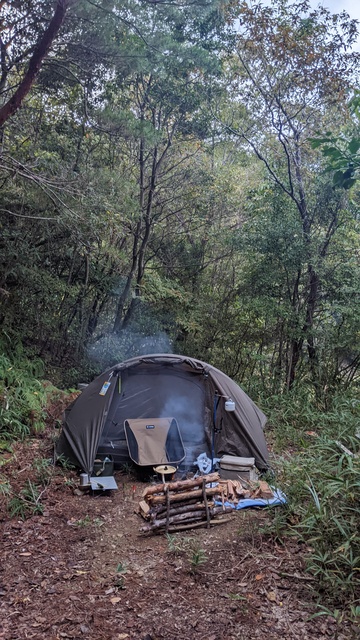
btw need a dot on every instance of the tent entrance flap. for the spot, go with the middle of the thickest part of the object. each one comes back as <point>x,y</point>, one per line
<point>154,441</point>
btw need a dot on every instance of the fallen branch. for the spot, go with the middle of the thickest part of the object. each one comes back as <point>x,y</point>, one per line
<point>294,576</point>
<point>203,523</point>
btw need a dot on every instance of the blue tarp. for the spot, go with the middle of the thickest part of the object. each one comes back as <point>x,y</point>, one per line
<point>278,499</point>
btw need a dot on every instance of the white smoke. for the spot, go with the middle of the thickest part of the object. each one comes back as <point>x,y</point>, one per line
<point>111,349</point>
<point>188,414</point>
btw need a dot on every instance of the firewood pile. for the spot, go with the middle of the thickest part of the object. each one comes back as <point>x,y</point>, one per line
<point>235,490</point>
<point>185,504</point>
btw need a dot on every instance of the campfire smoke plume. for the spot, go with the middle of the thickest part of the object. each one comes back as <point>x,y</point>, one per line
<point>189,416</point>
<point>111,349</point>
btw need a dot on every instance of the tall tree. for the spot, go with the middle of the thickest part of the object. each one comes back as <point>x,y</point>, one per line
<point>168,97</point>
<point>89,165</point>
<point>291,72</point>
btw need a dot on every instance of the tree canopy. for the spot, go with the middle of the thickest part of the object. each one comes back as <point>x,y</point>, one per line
<point>181,176</point>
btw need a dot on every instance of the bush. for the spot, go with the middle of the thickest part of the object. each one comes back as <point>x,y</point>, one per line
<point>293,417</point>
<point>321,478</point>
<point>22,397</point>
<point>27,502</point>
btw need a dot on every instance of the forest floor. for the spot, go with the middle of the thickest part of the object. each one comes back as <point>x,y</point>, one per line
<point>81,570</point>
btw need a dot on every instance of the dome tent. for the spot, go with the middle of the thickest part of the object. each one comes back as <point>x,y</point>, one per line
<point>162,386</point>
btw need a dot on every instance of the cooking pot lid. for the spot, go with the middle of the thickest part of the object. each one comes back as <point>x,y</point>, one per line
<point>165,468</point>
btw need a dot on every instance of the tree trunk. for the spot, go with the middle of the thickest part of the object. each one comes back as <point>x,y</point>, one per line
<point>41,50</point>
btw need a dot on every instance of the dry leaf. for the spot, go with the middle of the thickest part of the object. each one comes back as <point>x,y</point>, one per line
<point>271,595</point>
<point>259,576</point>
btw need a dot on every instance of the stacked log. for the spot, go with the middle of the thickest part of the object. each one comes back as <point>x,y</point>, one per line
<point>185,504</point>
<point>234,490</point>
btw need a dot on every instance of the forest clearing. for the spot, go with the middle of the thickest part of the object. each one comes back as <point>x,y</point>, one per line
<point>77,564</point>
<point>179,185</point>
<point>81,569</point>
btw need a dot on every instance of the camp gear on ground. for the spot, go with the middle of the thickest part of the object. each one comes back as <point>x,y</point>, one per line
<point>103,483</point>
<point>103,466</point>
<point>233,467</point>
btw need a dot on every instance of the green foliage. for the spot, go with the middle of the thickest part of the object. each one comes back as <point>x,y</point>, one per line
<point>83,207</point>
<point>43,468</point>
<point>87,521</point>
<point>64,462</point>
<point>126,206</point>
<point>22,396</point>
<point>27,502</point>
<point>321,480</point>
<point>175,544</point>
<point>341,152</point>
<point>121,568</point>
<point>329,522</point>
<point>188,547</point>
<point>121,571</point>
<point>5,487</point>
<point>196,555</point>
<point>296,418</point>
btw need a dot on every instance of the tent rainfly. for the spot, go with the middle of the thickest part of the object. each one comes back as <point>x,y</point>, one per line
<point>180,394</point>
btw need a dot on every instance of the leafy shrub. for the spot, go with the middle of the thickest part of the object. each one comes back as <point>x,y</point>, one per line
<point>190,548</point>
<point>43,468</point>
<point>329,518</point>
<point>320,474</point>
<point>22,396</point>
<point>294,416</point>
<point>322,485</point>
<point>4,486</point>
<point>27,502</point>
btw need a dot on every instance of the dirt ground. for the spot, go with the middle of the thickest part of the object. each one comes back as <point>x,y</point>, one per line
<point>81,570</point>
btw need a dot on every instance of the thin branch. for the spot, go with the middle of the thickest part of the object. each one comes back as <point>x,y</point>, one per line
<point>23,215</point>
<point>47,186</point>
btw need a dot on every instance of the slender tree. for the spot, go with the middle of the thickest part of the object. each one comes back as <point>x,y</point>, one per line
<point>291,71</point>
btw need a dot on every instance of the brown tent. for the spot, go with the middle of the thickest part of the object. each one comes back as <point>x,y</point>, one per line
<point>158,386</point>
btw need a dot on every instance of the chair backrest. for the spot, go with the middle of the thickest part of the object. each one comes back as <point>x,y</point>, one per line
<point>154,441</point>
